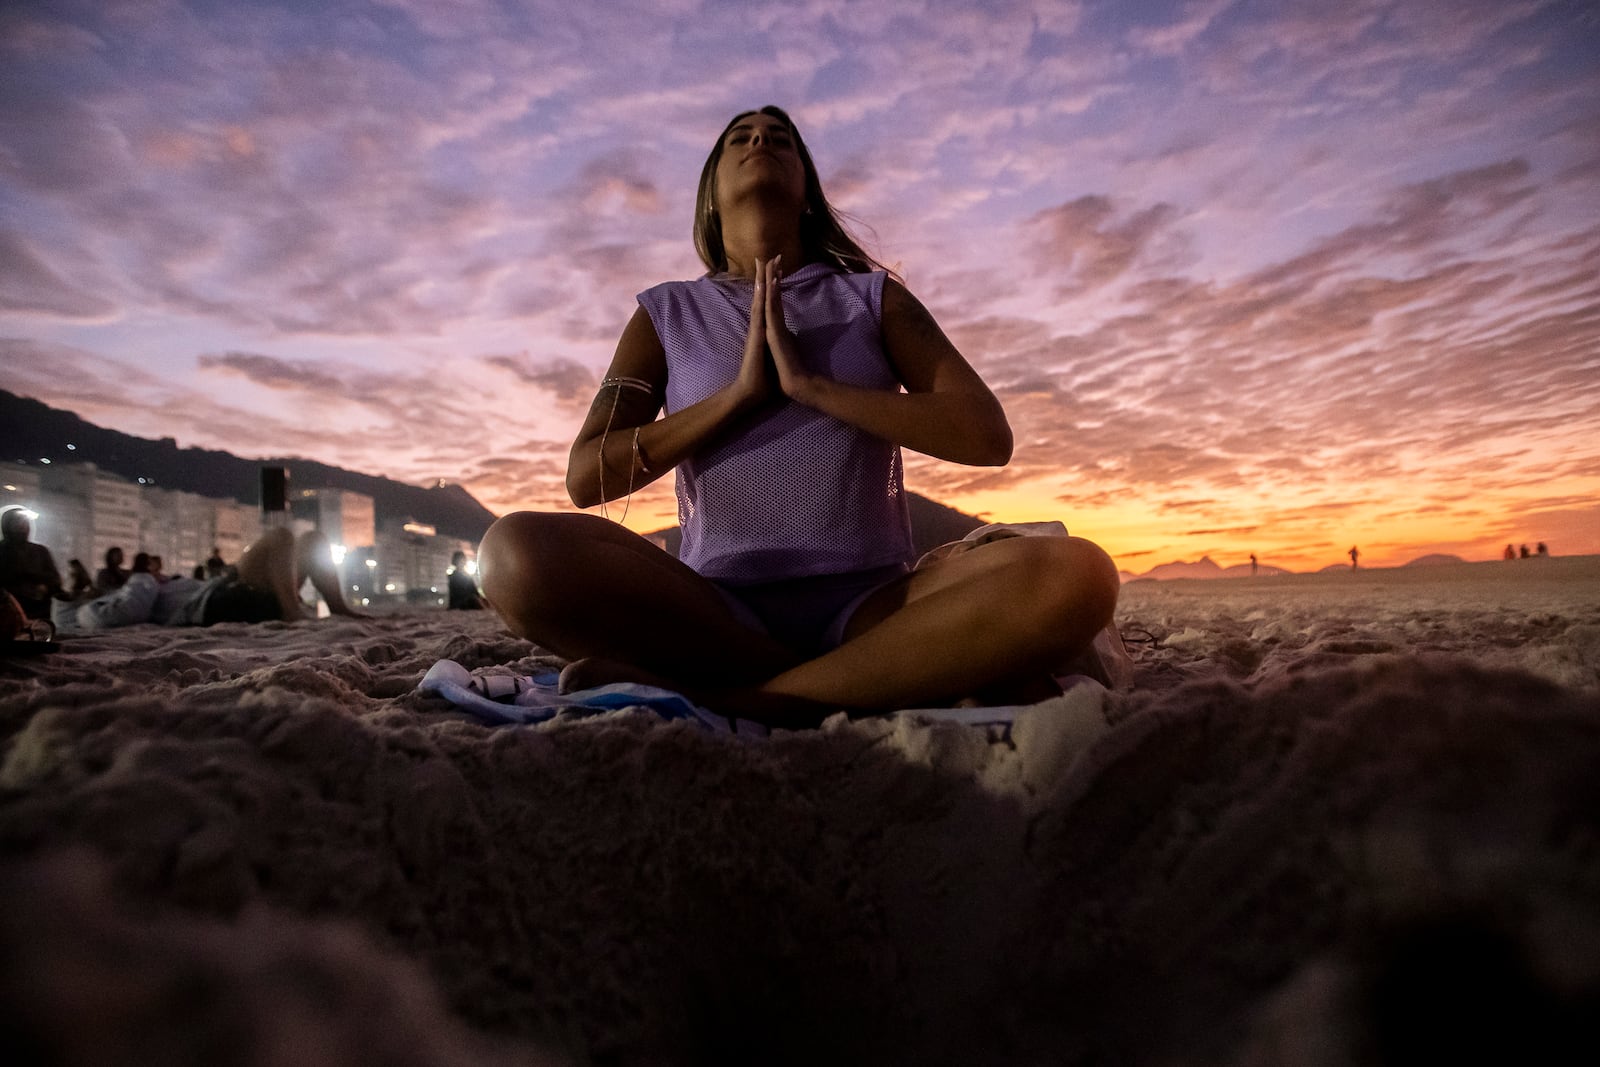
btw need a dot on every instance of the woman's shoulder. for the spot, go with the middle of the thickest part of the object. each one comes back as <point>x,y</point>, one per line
<point>665,294</point>
<point>861,290</point>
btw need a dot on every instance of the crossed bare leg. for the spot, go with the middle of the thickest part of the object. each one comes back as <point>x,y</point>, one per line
<point>989,623</point>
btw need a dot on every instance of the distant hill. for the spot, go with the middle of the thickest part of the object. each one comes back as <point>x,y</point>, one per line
<point>1434,560</point>
<point>30,429</point>
<point>933,523</point>
<point>1242,570</point>
<point>1203,568</point>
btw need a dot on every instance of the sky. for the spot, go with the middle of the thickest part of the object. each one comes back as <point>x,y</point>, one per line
<point>1269,277</point>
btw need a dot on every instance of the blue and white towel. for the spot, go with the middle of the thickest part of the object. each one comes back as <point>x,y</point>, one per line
<point>512,700</point>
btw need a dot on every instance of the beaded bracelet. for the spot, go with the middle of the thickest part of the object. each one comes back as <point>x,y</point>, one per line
<point>638,461</point>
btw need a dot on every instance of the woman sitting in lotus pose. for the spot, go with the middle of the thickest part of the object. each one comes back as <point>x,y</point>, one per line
<point>791,376</point>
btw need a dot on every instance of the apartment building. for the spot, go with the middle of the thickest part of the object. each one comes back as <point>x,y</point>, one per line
<point>84,510</point>
<point>344,516</point>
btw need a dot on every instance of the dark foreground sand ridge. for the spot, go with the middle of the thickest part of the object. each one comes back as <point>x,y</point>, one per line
<point>1336,818</point>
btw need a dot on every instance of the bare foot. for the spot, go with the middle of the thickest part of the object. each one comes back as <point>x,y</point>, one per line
<point>593,671</point>
<point>794,713</point>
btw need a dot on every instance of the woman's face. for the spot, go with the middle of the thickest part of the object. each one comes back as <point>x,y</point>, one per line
<point>758,152</point>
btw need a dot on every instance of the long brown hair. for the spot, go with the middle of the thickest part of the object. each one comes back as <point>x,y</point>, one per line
<point>822,232</point>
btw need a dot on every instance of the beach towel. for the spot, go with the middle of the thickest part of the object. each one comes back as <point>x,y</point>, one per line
<point>499,699</point>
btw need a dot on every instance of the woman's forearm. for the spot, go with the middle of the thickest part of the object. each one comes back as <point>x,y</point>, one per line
<point>960,427</point>
<point>632,462</point>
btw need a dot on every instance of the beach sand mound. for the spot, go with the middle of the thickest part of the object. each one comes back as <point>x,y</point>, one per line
<point>1332,818</point>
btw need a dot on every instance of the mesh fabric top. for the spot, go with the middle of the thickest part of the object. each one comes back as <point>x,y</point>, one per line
<point>794,492</point>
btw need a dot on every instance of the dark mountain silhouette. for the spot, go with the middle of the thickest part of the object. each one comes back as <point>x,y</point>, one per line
<point>30,430</point>
<point>1204,567</point>
<point>933,523</point>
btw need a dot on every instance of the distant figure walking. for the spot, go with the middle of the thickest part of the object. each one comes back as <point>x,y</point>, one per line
<point>1523,551</point>
<point>464,595</point>
<point>1355,556</point>
<point>1252,564</point>
<point>1511,552</point>
<point>1542,550</point>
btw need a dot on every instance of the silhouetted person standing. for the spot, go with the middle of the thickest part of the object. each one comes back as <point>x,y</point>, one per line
<point>216,564</point>
<point>1511,552</point>
<point>1542,550</point>
<point>1355,556</point>
<point>1252,564</point>
<point>464,595</point>
<point>27,570</point>
<point>1523,551</point>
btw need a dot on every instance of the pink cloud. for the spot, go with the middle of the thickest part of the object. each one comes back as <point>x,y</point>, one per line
<point>29,284</point>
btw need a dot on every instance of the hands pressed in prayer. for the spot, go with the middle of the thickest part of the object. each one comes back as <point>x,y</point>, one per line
<point>771,358</point>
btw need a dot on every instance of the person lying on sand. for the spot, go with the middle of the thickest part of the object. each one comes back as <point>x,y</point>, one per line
<point>264,585</point>
<point>791,375</point>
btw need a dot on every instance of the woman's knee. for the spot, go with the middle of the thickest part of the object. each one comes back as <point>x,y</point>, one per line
<point>523,553</point>
<point>1073,582</point>
<point>509,551</point>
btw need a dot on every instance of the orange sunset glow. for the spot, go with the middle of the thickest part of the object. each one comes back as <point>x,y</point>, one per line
<point>1278,279</point>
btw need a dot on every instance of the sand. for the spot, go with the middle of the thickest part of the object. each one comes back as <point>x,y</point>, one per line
<point>1338,816</point>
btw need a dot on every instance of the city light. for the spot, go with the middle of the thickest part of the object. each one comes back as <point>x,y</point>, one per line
<point>389,588</point>
<point>372,564</point>
<point>472,566</point>
<point>338,553</point>
<point>72,448</point>
<point>44,459</point>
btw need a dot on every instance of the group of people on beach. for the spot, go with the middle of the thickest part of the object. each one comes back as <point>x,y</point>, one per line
<point>779,388</point>
<point>264,583</point>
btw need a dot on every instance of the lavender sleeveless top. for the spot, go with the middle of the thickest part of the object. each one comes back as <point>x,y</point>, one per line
<point>795,492</point>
